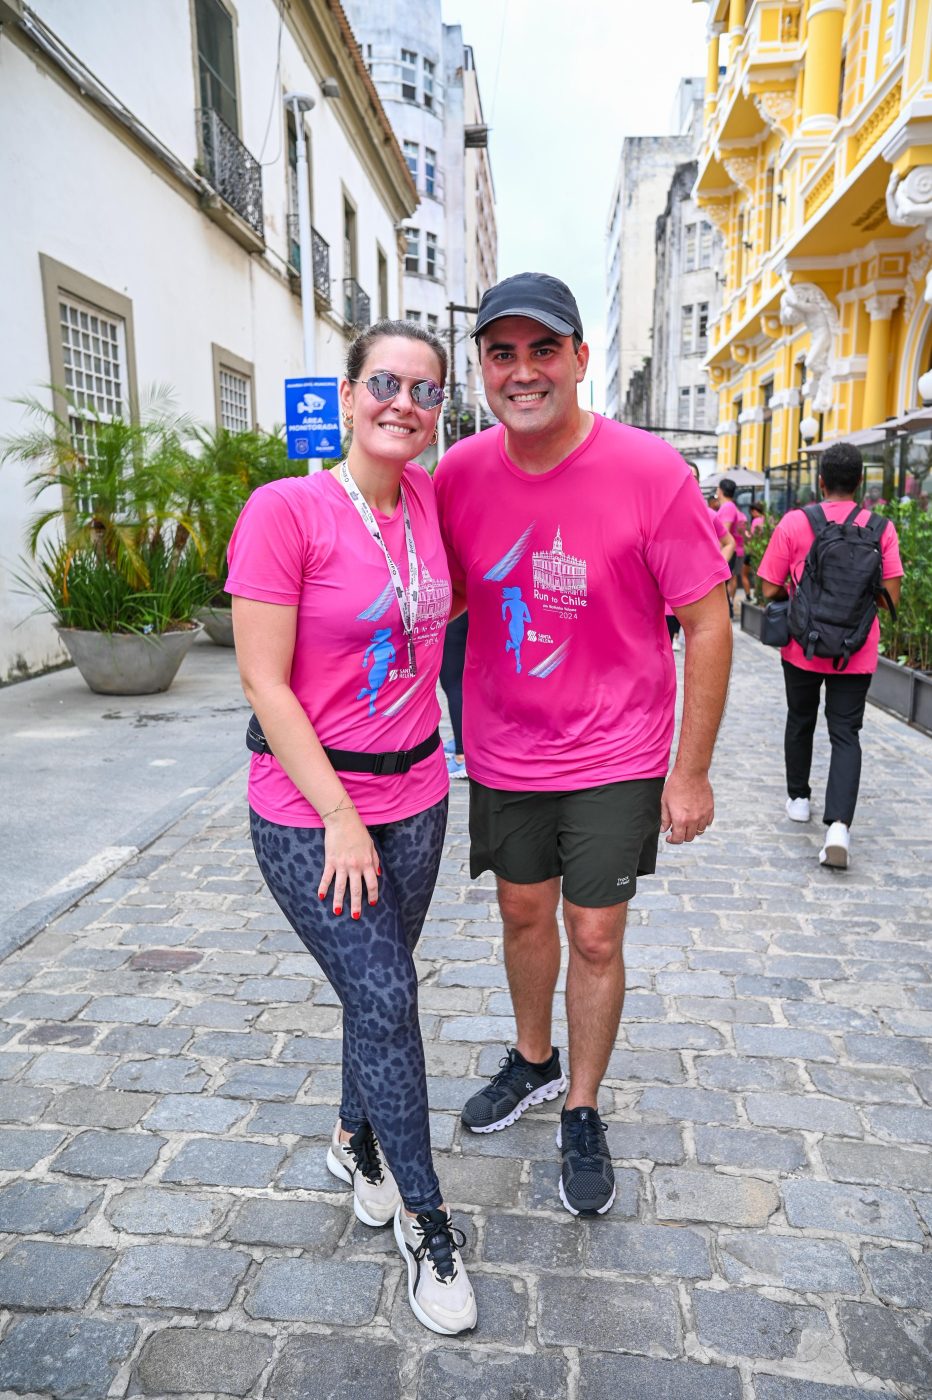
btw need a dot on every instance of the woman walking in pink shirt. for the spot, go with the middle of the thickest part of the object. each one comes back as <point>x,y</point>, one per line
<point>341,595</point>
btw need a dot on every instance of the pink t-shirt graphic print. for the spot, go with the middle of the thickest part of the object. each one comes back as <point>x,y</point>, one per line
<point>569,680</point>
<point>300,542</point>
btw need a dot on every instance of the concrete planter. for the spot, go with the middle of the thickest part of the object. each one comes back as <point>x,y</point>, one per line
<point>892,688</point>
<point>752,619</point>
<point>218,624</point>
<point>922,700</point>
<point>122,663</point>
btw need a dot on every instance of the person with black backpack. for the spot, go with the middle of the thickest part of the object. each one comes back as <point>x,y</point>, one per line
<point>836,562</point>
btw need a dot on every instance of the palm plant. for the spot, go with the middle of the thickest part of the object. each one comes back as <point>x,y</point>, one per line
<point>115,491</point>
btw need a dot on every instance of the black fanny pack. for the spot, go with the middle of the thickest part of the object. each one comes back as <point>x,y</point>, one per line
<point>345,761</point>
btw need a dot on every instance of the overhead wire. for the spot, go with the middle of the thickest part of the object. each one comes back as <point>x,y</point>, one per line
<point>276,85</point>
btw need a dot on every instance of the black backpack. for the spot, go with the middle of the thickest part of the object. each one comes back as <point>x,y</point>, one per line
<point>835,602</point>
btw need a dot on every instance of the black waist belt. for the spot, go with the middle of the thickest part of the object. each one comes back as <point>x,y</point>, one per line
<point>345,761</point>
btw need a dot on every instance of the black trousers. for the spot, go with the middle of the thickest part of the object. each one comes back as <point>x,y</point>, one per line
<point>845,698</point>
<point>451,673</point>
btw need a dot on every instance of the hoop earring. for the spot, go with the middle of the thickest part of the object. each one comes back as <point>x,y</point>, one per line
<point>436,438</point>
<point>347,423</point>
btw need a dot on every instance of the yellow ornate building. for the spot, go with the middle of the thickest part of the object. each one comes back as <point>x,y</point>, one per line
<point>816,166</point>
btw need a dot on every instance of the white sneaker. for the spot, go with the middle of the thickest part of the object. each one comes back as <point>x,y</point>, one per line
<point>835,850</point>
<point>360,1162</point>
<point>797,809</point>
<point>677,642</point>
<point>439,1291</point>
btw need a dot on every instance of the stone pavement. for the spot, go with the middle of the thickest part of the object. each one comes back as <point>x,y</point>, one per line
<point>169,1079</point>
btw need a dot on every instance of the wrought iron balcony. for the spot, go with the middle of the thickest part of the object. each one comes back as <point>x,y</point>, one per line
<point>233,171</point>
<point>320,255</point>
<point>356,305</point>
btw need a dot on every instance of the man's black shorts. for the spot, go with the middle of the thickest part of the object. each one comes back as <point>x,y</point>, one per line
<point>600,839</point>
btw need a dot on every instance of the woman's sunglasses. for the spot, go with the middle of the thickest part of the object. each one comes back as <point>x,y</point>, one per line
<point>426,393</point>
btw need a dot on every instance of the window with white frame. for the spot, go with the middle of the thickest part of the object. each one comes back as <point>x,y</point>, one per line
<point>412,250</point>
<point>688,340</point>
<point>689,247</point>
<point>429,70</point>
<point>430,170</point>
<point>409,75</point>
<point>94,353</point>
<point>431,322</point>
<point>430,254</point>
<point>235,400</point>
<point>682,408</point>
<point>413,316</point>
<point>412,158</point>
<point>701,400</point>
<point>702,327</point>
<point>705,244</point>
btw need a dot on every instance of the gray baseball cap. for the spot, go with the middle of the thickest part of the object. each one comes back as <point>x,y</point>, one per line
<point>535,295</point>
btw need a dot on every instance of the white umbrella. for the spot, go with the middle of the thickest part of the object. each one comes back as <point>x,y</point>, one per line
<point>739,475</point>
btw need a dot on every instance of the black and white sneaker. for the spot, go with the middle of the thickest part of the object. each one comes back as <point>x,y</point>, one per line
<point>515,1087</point>
<point>439,1290</point>
<point>587,1181</point>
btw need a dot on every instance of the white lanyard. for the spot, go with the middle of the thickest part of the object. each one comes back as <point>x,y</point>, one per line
<point>407,598</point>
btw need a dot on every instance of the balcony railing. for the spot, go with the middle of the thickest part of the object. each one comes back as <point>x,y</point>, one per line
<point>233,171</point>
<point>320,256</point>
<point>356,305</point>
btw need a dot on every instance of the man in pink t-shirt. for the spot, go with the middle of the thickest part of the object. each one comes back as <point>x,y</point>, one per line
<point>565,532</point>
<point>736,520</point>
<point>845,690</point>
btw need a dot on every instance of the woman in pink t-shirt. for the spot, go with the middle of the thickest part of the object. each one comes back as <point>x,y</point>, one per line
<point>341,593</point>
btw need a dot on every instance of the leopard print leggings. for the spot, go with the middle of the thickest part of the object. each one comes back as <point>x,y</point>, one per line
<point>370,965</point>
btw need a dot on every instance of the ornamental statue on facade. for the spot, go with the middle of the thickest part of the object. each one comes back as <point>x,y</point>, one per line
<point>807,303</point>
<point>909,205</point>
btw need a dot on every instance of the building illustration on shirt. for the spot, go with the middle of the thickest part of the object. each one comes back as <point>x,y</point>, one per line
<point>555,571</point>
<point>433,604</point>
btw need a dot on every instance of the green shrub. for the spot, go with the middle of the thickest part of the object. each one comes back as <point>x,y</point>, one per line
<point>909,639</point>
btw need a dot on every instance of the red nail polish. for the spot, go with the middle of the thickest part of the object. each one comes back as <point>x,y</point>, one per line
<point>321,896</point>
<point>355,915</point>
<point>372,902</point>
<point>338,910</point>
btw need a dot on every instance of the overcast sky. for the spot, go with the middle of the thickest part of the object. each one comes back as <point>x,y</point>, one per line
<point>562,84</point>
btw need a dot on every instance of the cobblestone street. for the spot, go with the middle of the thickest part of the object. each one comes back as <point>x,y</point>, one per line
<point>169,1081</point>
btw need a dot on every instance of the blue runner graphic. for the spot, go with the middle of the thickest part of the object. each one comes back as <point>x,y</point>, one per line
<point>516,610</point>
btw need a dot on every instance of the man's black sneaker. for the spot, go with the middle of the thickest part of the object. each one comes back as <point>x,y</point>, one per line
<point>587,1181</point>
<point>516,1086</point>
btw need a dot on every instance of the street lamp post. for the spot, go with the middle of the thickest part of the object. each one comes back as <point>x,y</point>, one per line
<point>301,103</point>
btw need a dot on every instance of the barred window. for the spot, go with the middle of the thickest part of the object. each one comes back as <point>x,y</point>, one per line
<point>94,353</point>
<point>234,400</point>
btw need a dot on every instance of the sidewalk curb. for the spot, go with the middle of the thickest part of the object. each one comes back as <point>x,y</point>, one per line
<point>20,928</point>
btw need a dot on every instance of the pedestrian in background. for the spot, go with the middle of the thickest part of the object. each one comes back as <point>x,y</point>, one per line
<point>780,572</point>
<point>565,532</point>
<point>349,797</point>
<point>725,543</point>
<point>736,520</point>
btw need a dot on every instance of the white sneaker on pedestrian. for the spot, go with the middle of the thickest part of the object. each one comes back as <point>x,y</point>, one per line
<point>439,1291</point>
<point>455,767</point>
<point>835,850</point>
<point>677,642</point>
<point>797,809</point>
<point>360,1162</point>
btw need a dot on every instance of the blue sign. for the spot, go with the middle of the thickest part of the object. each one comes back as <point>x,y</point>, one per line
<point>312,418</point>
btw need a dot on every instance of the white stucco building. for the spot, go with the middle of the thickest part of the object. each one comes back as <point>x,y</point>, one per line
<point>683,405</point>
<point>426,77</point>
<point>645,171</point>
<point>148,162</point>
